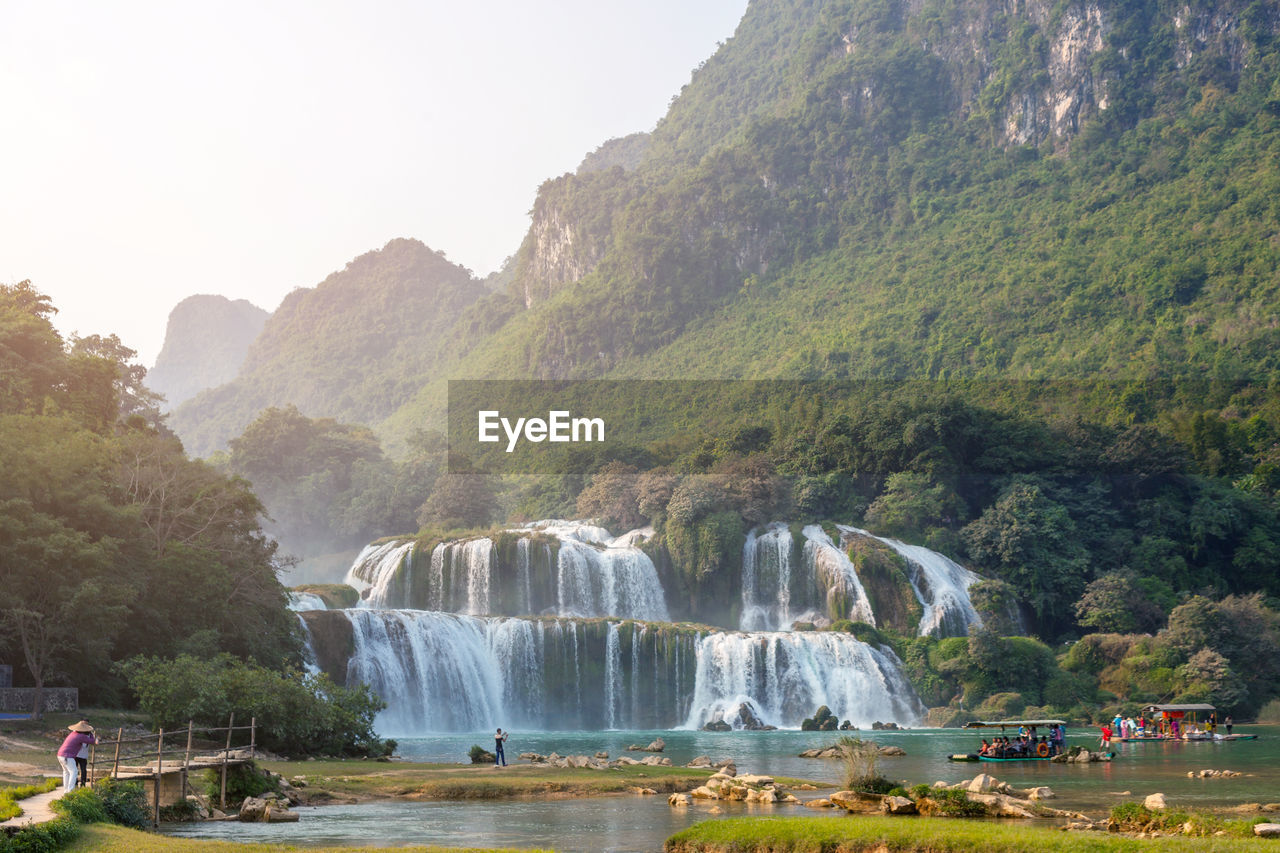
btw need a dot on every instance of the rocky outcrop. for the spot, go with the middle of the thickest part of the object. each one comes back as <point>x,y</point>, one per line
<point>205,343</point>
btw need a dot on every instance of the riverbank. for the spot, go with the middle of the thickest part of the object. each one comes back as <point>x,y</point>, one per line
<point>925,835</point>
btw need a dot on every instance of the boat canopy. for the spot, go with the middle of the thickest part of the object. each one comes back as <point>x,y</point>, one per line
<point>1002,724</point>
<point>1179,708</point>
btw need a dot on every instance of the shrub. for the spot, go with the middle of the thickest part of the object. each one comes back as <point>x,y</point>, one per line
<point>41,837</point>
<point>124,802</point>
<point>297,713</point>
<point>948,803</point>
<point>82,804</point>
<point>480,755</point>
<point>860,758</point>
<point>243,780</point>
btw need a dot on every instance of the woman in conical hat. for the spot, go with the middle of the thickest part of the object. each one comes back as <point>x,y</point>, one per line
<point>80,736</point>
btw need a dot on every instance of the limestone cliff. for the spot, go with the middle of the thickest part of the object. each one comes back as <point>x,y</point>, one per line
<point>204,345</point>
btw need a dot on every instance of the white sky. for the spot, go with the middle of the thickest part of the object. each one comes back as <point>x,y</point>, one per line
<point>153,150</point>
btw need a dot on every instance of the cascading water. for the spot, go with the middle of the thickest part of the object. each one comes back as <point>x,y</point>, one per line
<point>783,676</point>
<point>461,665</point>
<point>306,601</point>
<point>835,572</point>
<point>559,568</point>
<point>941,585</point>
<point>766,580</point>
<point>377,573</point>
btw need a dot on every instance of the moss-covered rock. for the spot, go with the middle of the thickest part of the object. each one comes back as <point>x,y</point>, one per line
<point>883,573</point>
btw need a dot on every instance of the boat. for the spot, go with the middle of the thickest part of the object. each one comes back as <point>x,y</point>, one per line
<point>1187,718</point>
<point>1045,755</point>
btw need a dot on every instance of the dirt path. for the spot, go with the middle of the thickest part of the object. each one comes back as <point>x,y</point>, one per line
<point>35,809</point>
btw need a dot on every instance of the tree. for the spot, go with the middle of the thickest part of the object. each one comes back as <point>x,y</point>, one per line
<point>460,500</point>
<point>1030,541</point>
<point>1116,603</point>
<point>911,502</point>
<point>612,496</point>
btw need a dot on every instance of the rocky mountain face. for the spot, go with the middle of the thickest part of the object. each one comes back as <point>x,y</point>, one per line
<point>205,343</point>
<point>1014,72</point>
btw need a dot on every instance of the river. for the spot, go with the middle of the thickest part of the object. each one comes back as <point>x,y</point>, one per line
<point>634,824</point>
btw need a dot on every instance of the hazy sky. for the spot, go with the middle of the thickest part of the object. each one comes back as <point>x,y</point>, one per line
<point>153,150</point>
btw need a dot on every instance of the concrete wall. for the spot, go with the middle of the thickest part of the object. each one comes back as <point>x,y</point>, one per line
<point>16,700</point>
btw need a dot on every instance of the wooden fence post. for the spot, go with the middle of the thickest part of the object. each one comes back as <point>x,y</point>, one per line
<point>186,760</point>
<point>253,737</point>
<point>155,818</point>
<point>115,765</point>
<point>225,754</point>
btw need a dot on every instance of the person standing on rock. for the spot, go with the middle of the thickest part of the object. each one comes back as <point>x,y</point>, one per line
<point>81,736</point>
<point>499,757</point>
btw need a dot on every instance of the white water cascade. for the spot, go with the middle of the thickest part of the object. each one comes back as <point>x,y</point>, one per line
<point>783,676</point>
<point>451,672</point>
<point>376,572</point>
<point>834,570</point>
<point>941,585</point>
<point>306,601</point>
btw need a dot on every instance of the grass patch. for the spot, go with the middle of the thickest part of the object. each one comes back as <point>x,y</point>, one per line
<point>116,839</point>
<point>374,779</point>
<point>924,835</point>
<point>1135,817</point>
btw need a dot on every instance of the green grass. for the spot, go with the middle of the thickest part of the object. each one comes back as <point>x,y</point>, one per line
<point>924,835</point>
<point>116,839</point>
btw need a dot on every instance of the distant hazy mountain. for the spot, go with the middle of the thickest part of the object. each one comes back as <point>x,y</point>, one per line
<point>352,348</point>
<point>204,345</point>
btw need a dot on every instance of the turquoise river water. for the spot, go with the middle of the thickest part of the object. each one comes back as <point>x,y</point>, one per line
<point>634,824</point>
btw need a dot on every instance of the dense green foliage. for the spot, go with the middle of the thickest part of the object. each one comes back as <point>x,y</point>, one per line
<point>296,713</point>
<point>112,541</point>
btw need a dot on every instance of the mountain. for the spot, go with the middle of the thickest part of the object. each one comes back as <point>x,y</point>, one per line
<point>204,345</point>
<point>353,347</point>
<point>873,190</point>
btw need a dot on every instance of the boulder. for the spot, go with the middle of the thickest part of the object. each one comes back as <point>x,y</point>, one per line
<point>533,757</point>
<point>891,750</point>
<point>678,800</point>
<point>277,813</point>
<point>736,792</point>
<point>1155,802</point>
<point>579,761</point>
<point>252,809</point>
<point>855,801</point>
<point>715,726</point>
<point>704,793</point>
<point>1041,793</point>
<point>822,803</point>
<point>298,781</point>
<point>643,791</point>
<point>754,780</point>
<point>982,783</point>
<point>655,761</point>
<point>1267,830</point>
<point>624,761</point>
<point>727,765</point>
<point>602,755</point>
<point>897,805</point>
<point>700,761</point>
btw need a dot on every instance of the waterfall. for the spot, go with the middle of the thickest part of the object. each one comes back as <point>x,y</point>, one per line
<point>452,672</point>
<point>766,580</point>
<point>306,601</point>
<point>610,581</point>
<point>570,569</point>
<point>784,676</point>
<point>831,566</point>
<point>941,585</point>
<point>377,573</point>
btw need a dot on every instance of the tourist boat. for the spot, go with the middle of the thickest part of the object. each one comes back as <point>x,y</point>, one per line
<point>1041,755</point>
<point>1190,719</point>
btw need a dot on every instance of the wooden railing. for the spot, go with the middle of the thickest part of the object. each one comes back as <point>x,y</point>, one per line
<point>157,758</point>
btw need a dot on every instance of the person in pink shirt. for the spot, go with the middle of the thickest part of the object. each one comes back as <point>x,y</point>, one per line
<point>81,736</point>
